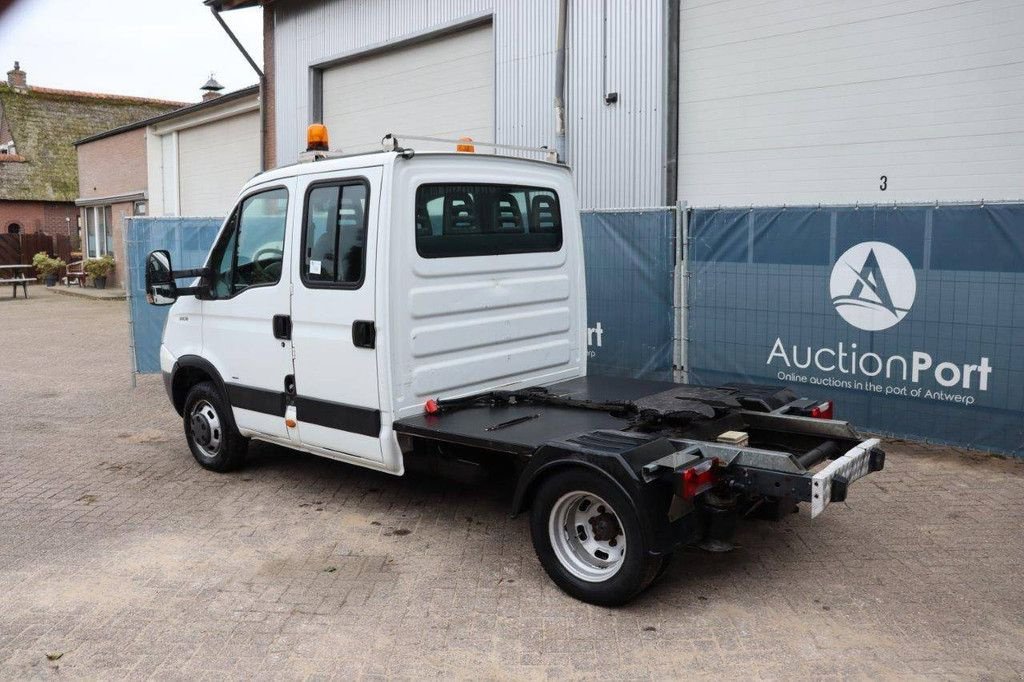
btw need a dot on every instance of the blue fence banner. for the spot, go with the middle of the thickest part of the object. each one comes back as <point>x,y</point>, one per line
<point>630,265</point>
<point>910,316</point>
<point>188,240</point>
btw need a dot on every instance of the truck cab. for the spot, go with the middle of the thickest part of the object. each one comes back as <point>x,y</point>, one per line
<point>353,290</point>
<point>384,308</point>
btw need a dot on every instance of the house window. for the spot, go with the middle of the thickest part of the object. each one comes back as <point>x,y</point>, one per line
<point>99,225</point>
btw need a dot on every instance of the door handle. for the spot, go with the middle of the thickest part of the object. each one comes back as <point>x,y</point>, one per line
<point>364,334</point>
<point>282,327</point>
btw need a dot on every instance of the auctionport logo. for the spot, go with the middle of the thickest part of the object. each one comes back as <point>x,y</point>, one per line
<point>873,286</point>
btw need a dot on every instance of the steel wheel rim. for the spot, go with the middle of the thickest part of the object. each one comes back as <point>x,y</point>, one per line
<point>586,536</point>
<point>207,431</point>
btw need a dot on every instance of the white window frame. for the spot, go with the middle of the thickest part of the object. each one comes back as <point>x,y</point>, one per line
<point>99,231</point>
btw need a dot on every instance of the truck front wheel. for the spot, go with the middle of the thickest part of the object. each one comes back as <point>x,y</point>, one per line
<point>586,533</point>
<point>210,430</point>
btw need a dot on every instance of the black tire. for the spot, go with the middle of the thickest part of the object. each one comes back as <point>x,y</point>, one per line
<point>637,569</point>
<point>213,439</point>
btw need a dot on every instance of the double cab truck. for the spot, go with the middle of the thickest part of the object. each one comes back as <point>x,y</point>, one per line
<point>397,307</point>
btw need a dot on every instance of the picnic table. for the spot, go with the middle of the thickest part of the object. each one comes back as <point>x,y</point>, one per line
<point>15,275</point>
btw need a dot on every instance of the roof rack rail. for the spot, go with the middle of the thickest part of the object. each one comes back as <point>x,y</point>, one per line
<point>390,143</point>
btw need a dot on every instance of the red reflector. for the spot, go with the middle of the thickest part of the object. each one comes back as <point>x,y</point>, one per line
<point>698,478</point>
<point>431,407</point>
<point>824,410</point>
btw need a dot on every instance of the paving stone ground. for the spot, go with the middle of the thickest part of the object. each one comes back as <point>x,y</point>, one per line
<point>125,559</point>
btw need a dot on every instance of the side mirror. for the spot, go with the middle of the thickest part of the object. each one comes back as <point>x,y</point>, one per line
<point>160,286</point>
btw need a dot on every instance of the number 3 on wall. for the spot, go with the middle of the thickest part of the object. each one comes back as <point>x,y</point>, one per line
<point>885,182</point>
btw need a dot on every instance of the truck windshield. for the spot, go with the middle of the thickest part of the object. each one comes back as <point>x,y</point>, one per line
<point>457,220</point>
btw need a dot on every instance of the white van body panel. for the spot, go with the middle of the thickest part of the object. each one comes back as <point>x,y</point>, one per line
<point>466,325</point>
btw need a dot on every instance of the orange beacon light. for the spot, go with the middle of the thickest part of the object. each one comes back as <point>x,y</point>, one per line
<point>316,138</point>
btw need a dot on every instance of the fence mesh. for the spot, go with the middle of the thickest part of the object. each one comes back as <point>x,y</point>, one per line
<point>188,240</point>
<point>630,265</point>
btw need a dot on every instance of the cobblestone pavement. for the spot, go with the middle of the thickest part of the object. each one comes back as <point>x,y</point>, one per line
<point>120,557</point>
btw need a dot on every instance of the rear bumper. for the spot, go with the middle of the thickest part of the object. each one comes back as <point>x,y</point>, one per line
<point>830,484</point>
<point>820,488</point>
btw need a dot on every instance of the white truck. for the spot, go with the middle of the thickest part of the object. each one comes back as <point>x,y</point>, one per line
<point>395,306</point>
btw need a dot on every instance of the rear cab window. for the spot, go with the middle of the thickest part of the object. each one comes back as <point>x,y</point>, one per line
<point>334,234</point>
<point>461,220</point>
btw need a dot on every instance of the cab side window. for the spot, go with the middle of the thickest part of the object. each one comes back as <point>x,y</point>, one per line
<point>251,251</point>
<point>334,238</point>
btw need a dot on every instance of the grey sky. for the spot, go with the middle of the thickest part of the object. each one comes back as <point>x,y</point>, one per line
<point>150,48</point>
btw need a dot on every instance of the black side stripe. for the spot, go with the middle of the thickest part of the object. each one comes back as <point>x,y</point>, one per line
<point>256,399</point>
<point>362,420</point>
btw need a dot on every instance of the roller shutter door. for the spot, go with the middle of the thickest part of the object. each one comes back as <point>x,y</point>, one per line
<point>442,87</point>
<point>214,161</point>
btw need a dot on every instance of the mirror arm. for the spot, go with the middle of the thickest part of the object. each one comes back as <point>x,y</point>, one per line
<point>191,291</point>
<point>203,273</point>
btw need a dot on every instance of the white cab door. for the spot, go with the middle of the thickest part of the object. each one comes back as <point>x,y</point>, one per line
<point>333,321</point>
<point>250,286</point>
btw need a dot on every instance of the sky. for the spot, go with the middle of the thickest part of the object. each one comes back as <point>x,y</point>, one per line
<point>164,49</point>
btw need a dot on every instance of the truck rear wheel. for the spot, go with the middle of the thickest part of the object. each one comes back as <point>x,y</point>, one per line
<point>210,430</point>
<point>587,536</point>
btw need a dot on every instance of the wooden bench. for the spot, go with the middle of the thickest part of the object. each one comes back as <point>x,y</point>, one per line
<point>15,281</point>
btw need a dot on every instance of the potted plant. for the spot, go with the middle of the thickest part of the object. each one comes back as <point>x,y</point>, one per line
<point>47,268</point>
<point>99,269</point>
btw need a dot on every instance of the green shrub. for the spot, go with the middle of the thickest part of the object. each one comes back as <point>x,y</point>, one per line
<point>47,266</point>
<point>99,267</point>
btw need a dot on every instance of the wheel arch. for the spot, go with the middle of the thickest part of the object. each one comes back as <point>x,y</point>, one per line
<point>532,477</point>
<point>190,370</point>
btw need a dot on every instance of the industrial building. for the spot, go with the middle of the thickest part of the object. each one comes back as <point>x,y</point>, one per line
<point>710,103</point>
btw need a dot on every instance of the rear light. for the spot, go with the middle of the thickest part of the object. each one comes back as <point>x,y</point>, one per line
<point>698,479</point>
<point>824,410</point>
<point>431,407</point>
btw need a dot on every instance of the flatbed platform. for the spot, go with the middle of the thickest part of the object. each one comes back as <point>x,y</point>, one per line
<point>520,429</point>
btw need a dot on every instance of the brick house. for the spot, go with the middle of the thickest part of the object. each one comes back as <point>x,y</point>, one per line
<point>190,161</point>
<point>38,166</point>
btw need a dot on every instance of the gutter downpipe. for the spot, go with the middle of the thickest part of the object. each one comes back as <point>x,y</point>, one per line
<point>560,128</point>
<point>672,103</point>
<point>263,84</point>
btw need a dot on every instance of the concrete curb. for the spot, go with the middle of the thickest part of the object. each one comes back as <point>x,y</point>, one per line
<point>94,294</point>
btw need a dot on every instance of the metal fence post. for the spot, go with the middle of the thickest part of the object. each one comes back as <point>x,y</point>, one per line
<point>126,229</point>
<point>681,304</point>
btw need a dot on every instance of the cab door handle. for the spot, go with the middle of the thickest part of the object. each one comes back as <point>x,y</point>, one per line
<point>282,327</point>
<point>364,334</point>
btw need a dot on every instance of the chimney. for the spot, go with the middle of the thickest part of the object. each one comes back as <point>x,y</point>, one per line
<point>212,89</point>
<point>16,77</point>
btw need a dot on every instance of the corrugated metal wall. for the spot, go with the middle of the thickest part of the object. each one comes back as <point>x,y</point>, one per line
<point>617,151</point>
<point>799,102</point>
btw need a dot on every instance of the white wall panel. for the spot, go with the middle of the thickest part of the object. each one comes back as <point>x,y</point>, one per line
<point>793,101</point>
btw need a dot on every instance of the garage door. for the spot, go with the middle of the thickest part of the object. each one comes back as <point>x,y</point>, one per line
<point>443,87</point>
<point>214,161</point>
